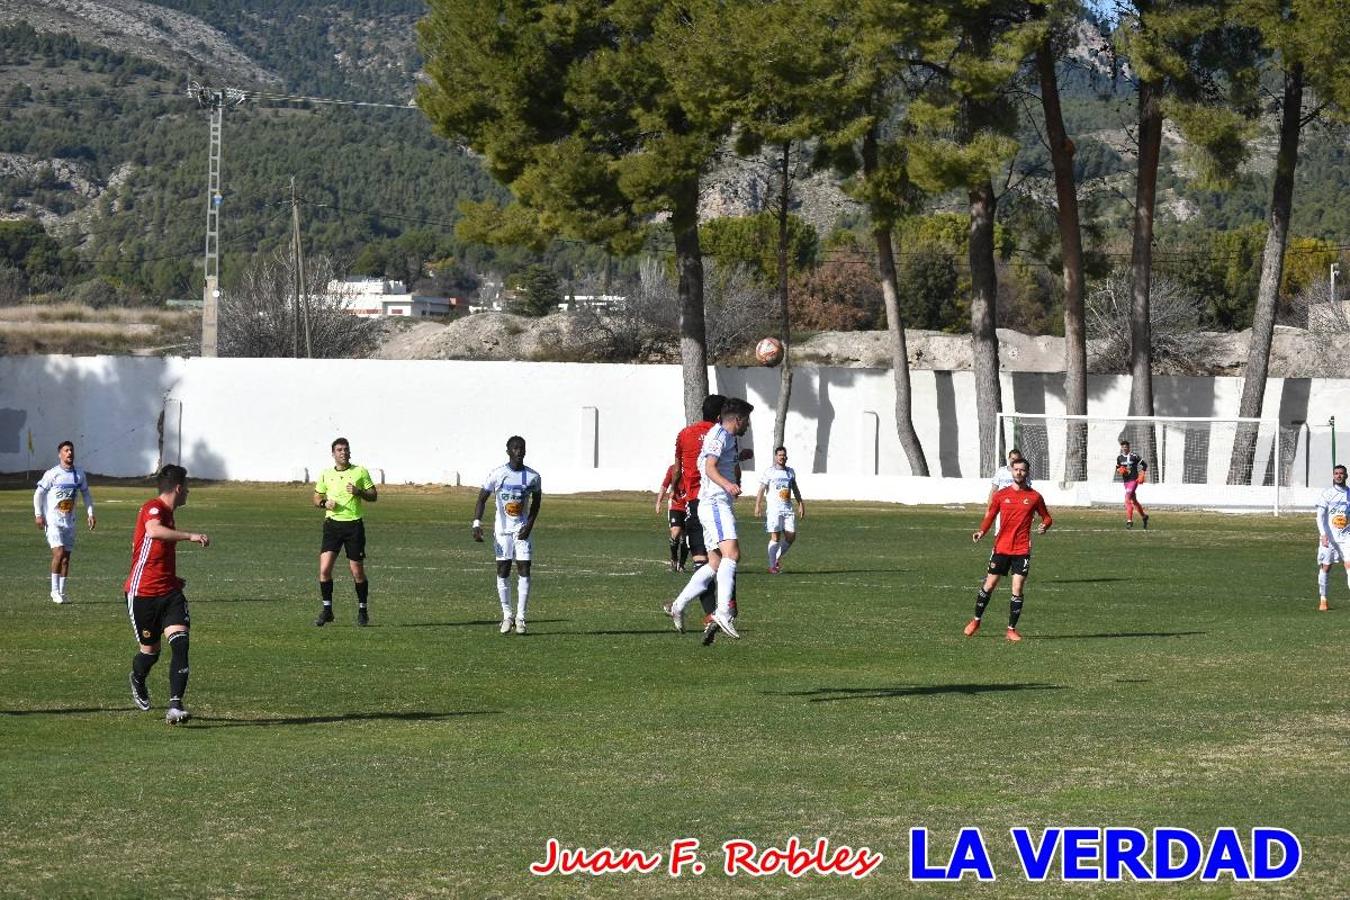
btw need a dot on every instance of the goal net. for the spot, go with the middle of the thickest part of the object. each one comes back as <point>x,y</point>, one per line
<point>1227,455</point>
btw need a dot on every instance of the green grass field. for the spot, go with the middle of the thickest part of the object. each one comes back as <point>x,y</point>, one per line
<point>1175,677</point>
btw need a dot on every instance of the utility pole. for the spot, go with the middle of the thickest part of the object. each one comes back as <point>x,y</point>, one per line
<point>301,284</point>
<point>216,100</point>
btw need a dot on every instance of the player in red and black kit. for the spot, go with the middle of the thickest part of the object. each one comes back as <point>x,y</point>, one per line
<point>154,592</point>
<point>1014,506</point>
<point>679,550</point>
<point>686,473</point>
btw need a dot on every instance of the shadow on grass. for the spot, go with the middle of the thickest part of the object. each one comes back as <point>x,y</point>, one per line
<point>209,722</point>
<point>807,573</point>
<point>493,622</point>
<point>1102,580</point>
<point>603,633</point>
<point>1117,634</point>
<point>67,711</point>
<point>825,695</point>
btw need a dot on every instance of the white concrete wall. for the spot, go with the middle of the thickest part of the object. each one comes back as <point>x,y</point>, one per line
<point>589,427</point>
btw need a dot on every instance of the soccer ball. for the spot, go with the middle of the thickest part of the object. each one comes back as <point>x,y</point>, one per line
<point>769,351</point>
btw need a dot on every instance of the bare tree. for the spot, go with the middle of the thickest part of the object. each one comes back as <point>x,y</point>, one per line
<point>260,317</point>
<point>739,309</point>
<point>1176,342</point>
<point>1328,323</point>
<point>646,326</point>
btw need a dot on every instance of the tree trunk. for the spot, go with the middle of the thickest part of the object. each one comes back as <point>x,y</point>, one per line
<point>1141,264</point>
<point>983,333</point>
<point>1071,249</point>
<point>785,374</point>
<point>1272,270</point>
<point>904,401</point>
<point>693,331</point>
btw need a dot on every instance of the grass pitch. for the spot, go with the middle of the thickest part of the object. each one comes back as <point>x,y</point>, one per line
<point>1175,677</point>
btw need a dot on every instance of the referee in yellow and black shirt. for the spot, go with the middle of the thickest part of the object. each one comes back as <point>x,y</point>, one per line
<point>340,491</point>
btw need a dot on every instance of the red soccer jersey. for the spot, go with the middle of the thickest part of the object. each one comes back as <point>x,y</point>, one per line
<point>1015,509</point>
<point>688,444</point>
<point>153,563</point>
<point>677,498</point>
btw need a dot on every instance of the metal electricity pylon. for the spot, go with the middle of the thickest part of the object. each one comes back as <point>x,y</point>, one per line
<point>215,99</point>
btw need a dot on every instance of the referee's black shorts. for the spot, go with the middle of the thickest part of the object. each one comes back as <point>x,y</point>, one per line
<point>151,615</point>
<point>347,536</point>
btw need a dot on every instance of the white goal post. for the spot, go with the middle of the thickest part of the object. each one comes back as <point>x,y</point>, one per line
<point>1190,458</point>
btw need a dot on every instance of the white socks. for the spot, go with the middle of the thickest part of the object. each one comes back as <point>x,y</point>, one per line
<point>783,548</point>
<point>702,577</point>
<point>61,584</point>
<point>504,595</point>
<point>522,596</point>
<point>726,584</point>
<point>1321,582</point>
<point>56,581</point>
<point>773,553</point>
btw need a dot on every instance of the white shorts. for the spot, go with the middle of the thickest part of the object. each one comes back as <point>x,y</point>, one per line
<point>783,521</point>
<point>508,546</point>
<point>60,536</point>
<point>718,521</point>
<point>1334,552</point>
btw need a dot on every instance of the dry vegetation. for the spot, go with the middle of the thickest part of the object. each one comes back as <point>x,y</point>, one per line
<point>83,330</point>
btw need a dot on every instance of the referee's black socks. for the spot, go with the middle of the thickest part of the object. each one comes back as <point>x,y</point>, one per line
<point>674,550</point>
<point>1014,610</point>
<point>326,592</point>
<point>362,593</point>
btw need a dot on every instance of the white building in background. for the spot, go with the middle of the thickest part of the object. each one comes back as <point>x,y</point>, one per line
<point>372,297</point>
<point>594,302</point>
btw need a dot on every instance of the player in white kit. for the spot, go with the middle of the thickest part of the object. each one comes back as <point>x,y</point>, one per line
<point>778,485</point>
<point>1333,528</point>
<point>515,485</point>
<point>54,510</point>
<point>717,461</point>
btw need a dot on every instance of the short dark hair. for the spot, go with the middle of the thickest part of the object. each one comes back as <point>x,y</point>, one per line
<point>735,406</point>
<point>1124,443</point>
<point>1338,466</point>
<point>170,477</point>
<point>64,444</point>
<point>1022,462</point>
<point>513,439</point>
<point>776,449</point>
<point>712,407</point>
<point>1015,452</point>
<point>337,441</point>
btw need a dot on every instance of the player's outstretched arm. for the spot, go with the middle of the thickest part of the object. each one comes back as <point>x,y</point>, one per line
<point>159,532</point>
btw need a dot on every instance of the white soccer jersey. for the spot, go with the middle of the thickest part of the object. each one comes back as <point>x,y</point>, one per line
<point>1333,514</point>
<point>54,498</point>
<point>513,490</point>
<point>724,447</point>
<point>778,490</point>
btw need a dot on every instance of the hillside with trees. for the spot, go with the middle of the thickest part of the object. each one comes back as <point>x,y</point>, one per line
<point>102,152</point>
